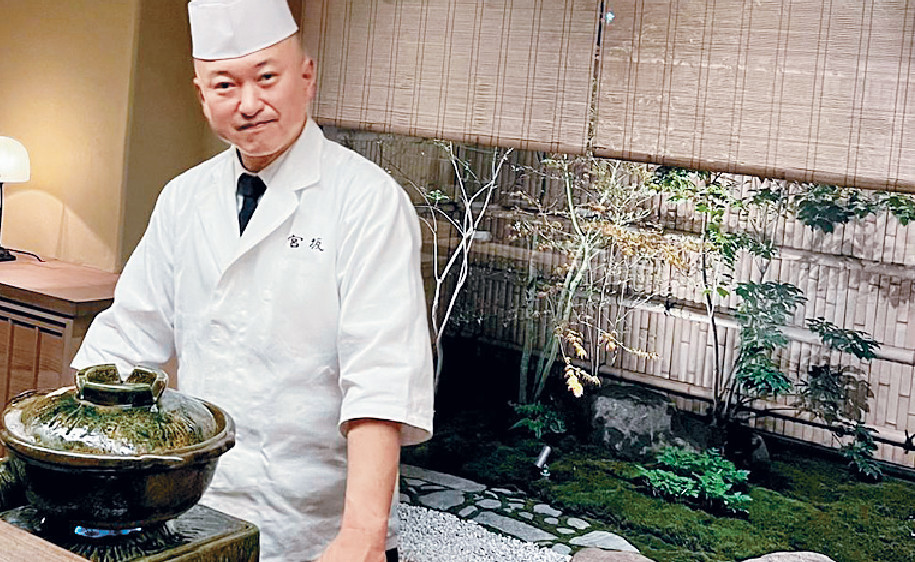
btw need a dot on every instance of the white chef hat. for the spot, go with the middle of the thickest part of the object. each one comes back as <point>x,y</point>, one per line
<point>227,29</point>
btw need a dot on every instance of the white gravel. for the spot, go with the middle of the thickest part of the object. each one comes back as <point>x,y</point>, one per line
<point>433,536</point>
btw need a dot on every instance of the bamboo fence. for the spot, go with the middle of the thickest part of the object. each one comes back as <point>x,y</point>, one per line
<point>859,277</point>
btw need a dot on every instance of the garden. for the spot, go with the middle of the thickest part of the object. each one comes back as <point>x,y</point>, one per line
<point>554,280</point>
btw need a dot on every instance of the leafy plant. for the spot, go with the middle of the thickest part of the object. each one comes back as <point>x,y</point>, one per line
<point>539,419</point>
<point>704,479</point>
<point>823,207</point>
<point>834,394</point>
<point>858,344</point>
<point>860,453</point>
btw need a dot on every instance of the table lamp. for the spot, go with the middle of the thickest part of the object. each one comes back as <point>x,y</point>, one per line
<point>14,168</point>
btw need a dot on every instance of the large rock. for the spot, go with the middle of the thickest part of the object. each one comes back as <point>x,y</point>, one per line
<point>605,540</point>
<point>633,421</point>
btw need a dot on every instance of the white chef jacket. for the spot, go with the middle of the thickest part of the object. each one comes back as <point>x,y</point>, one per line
<point>312,317</point>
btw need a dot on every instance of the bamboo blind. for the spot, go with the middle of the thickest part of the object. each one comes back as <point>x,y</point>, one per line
<point>499,72</point>
<point>817,91</point>
<point>813,91</point>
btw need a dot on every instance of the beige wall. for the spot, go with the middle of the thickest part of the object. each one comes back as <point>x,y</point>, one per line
<point>167,131</point>
<point>65,71</point>
<point>100,93</point>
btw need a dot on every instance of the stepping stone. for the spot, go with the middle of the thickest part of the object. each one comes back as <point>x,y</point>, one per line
<point>504,492</point>
<point>564,531</point>
<point>579,524</point>
<point>526,515</point>
<point>605,540</point>
<point>404,498</point>
<point>561,549</point>
<point>513,527</point>
<point>442,501</point>
<point>447,480</point>
<point>792,557</point>
<point>544,509</point>
<point>413,482</point>
<point>551,521</point>
<point>598,555</point>
<point>469,510</point>
<point>489,504</point>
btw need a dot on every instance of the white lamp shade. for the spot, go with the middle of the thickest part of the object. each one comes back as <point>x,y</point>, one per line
<point>14,161</point>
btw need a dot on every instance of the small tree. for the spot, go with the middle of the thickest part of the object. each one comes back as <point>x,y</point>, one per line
<point>601,227</point>
<point>833,394</point>
<point>452,215</point>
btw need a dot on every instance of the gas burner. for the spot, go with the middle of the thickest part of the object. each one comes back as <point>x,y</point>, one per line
<point>99,545</point>
<point>107,545</point>
<point>201,533</point>
<point>81,531</point>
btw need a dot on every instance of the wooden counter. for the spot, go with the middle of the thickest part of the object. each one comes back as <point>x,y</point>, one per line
<point>45,309</point>
<point>19,545</point>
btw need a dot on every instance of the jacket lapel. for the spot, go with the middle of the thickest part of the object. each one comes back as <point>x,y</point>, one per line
<point>215,208</point>
<point>300,168</point>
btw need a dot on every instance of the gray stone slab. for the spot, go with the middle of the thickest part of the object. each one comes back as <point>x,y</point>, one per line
<point>526,515</point>
<point>561,549</point>
<point>404,498</point>
<point>792,557</point>
<point>467,511</point>
<point>551,521</point>
<point>447,480</point>
<point>489,504</point>
<point>579,524</point>
<point>564,531</point>
<point>442,501</point>
<point>513,527</point>
<point>604,540</point>
<point>413,482</point>
<point>598,555</point>
<point>544,509</point>
<point>504,492</point>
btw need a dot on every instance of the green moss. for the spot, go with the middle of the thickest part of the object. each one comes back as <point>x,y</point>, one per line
<point>803,504</point>
<point>849,529</point>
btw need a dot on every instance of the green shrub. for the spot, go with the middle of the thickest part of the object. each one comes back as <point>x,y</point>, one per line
<point>704,479</point>
<point>539,419</point>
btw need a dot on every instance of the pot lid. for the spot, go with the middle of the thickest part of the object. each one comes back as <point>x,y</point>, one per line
<point>107,415</point>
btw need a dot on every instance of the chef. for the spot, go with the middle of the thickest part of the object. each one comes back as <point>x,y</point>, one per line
<point>284,276</point>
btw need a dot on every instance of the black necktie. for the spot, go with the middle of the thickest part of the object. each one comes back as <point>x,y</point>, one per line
<point>250,188</point>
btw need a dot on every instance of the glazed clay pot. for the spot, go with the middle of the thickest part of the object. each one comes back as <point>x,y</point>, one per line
<point>113,454</point>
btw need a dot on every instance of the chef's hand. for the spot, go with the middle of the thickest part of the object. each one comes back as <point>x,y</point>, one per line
<point>353,545</point>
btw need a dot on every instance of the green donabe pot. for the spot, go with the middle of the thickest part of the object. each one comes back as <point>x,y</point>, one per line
<point>113,454</point>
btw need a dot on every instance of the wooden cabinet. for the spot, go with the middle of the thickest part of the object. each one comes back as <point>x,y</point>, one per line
<point>45,309</point>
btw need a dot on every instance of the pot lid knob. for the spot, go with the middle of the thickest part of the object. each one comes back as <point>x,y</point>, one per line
<point>102,385</point>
